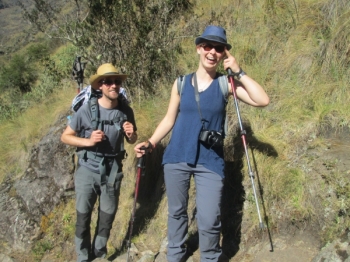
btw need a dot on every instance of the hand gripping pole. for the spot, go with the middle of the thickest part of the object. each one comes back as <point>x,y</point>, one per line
<point>243,136</point>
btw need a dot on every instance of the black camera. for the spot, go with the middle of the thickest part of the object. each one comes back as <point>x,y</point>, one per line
<point>211,137</point>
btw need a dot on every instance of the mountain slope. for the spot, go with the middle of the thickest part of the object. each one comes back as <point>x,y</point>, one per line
<point>299,144</point>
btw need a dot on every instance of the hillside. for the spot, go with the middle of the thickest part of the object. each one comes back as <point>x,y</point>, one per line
<point>299,145</point>
<point>14,30</point>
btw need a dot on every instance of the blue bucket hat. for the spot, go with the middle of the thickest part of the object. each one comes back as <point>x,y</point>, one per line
<point>215,34</point>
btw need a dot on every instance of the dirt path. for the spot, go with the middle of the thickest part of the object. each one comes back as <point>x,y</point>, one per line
<point>301,247</point>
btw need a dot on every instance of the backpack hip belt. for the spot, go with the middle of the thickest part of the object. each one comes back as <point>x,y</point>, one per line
<point>113,175</point>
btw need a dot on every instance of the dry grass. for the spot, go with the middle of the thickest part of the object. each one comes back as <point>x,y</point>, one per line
<point>18,136</point>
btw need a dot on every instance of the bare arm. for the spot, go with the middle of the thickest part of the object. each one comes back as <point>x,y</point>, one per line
<point>69,137</point>
<point>167,122</point>
<point>250,92</point>
<point>247,89</point>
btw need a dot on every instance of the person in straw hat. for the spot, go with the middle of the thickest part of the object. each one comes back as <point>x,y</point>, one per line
<point>100,153</point>
<point>191,151</point>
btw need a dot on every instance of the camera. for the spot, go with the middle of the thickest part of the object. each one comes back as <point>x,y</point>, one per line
<point>211,137</point>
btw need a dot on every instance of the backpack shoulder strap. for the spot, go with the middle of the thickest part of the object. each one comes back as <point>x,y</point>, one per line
<point>93,104</point>
<point>180,84</point>
<point>224,89</point>
<point>224,86</point>
<point>118,121</point>
<point>222,82</point>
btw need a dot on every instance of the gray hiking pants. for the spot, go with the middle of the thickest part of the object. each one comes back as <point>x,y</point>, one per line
<point>88,188</point>
<point>209,187</point>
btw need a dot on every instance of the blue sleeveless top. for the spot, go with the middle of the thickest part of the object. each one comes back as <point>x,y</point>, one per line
<point>184,145</point>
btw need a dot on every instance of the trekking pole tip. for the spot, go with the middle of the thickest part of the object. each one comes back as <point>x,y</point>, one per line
<point>261,225</point>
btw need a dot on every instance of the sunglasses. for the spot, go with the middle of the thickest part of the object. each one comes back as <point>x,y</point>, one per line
<point>110,82</point>
<point>218,48</point>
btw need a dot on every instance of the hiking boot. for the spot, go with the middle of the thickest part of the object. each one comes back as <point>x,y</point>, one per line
<point>223,258</point>
<point>187,255</point>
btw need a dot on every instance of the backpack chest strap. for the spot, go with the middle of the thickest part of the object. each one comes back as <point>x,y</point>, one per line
<point>118,122</point>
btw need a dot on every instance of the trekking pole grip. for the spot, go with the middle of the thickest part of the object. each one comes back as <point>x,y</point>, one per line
<point>140,161</point>
<point>229,72</point>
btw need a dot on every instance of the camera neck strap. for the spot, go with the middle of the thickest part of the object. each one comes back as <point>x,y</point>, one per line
<point>197,96</point>
<point>194,76</point>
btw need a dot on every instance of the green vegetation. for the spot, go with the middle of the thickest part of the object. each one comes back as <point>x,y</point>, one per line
<point>22,117</point>
<point>136,36</point>
<point>299,52</point>
<point>40,248</point>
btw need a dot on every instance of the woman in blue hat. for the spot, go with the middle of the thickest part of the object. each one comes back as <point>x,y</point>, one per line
<point>196,115</point>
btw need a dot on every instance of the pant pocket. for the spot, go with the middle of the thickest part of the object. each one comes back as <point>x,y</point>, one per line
<point>118,180</point>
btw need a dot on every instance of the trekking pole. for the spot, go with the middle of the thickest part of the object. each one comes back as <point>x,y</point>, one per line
<point>140,167</point>
<point>243,134</point>
<point>78,72</point>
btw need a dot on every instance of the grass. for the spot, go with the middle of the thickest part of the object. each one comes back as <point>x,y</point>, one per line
<point>40,249</point>
<point>18,136</point>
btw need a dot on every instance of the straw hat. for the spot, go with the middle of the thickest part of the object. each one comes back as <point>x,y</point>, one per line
<point>103,71</point>
<point>215,34</point>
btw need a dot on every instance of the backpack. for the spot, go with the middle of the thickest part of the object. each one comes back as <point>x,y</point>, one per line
<point>224,89</point>
<point>87,93</point>
<point>91,96</point>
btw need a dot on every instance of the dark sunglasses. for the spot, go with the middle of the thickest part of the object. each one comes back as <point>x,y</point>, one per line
<point>110,82</point>
<point>218,48</point>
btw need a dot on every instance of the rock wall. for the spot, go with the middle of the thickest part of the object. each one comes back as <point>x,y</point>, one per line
<point>47,181</point>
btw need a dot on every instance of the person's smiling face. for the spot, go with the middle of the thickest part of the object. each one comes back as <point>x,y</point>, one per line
<point>110,87</point>
<point>211,53</point>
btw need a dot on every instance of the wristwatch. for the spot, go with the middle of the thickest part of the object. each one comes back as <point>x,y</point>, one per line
<point>240,74</point>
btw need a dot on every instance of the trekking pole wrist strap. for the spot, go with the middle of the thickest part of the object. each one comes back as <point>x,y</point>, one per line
<point>133,135</point>
<point>150,144</point>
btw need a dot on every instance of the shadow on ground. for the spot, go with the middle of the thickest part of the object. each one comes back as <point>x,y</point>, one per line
<point>150,193</point>
<point>234,193</point>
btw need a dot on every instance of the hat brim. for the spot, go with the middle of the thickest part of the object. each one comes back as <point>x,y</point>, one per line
<point>94,79</point>
<point>216,39</point>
